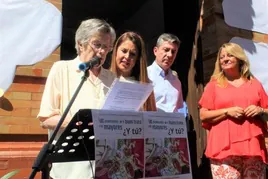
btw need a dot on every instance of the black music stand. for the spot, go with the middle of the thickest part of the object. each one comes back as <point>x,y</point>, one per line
<point>77,142</point>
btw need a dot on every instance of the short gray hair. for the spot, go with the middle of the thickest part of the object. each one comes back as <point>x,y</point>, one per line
<point>89,28</point>
<point>169,38</point>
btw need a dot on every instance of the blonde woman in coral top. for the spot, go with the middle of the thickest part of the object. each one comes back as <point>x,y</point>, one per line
<point>231,108</point>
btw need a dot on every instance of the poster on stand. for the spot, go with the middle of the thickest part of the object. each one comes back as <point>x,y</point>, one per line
<point>141,145</point>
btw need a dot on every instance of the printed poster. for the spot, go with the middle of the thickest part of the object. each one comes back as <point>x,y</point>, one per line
<point>119,145</point>
<point>166,146</point>
<point>140,145</point>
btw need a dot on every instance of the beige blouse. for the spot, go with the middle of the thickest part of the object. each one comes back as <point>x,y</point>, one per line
<point>62,82</point>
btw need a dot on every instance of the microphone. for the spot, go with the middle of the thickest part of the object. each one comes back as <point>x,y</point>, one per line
<point>90,64</point>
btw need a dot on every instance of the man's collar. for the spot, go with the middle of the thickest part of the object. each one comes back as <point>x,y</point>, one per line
<point>160,71</point>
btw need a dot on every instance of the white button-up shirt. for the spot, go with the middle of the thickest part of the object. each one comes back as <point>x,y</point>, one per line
<point>167,88</point>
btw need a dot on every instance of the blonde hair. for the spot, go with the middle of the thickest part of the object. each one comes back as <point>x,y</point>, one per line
<point>236,51</point>
<point>139,71</point>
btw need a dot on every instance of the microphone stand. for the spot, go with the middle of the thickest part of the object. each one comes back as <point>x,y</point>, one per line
<point>41,162</point>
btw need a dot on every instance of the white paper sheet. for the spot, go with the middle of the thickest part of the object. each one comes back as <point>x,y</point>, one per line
<point>127,96</point>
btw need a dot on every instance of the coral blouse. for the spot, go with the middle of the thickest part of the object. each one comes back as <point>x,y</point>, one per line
<point>239,137</point>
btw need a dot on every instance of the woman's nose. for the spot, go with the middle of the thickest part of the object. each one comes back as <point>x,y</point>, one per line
<point>127,55</point>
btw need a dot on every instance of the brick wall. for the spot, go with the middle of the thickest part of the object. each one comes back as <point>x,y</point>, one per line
<point>21,136</point>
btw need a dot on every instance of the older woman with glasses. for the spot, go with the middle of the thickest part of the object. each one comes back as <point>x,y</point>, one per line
<point>94,37</point>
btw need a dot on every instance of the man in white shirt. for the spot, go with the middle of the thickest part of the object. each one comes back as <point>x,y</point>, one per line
<point>167,86</point>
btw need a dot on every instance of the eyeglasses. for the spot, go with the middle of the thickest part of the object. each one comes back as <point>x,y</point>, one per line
<point>97,46</point>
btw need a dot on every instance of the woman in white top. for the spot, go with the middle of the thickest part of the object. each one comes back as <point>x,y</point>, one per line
<point>94,37</point>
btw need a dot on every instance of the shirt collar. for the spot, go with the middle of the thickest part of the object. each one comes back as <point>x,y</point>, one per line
<point>160,71</point>
<point>78,61</point>
<point>131,78</point>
